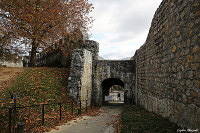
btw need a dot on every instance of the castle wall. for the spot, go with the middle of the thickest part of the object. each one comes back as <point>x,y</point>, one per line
<point>123,70</point>
<point>80,79</point>
<point>56,58</point>
<point>80,82</point>
<point>168,64</point>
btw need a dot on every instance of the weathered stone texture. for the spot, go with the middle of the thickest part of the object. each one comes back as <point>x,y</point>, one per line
<point>168,64</point>
<point>80,80</point>
<point>56,58</point>
<point>93,47</point>
<point>86,79</point>
<point>123,70</point>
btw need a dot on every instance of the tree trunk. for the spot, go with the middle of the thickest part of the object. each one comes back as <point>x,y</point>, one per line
<point>33,54</point>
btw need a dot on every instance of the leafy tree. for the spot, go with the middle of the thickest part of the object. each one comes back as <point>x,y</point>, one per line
<point>9,50</point>
<point>45,22</point>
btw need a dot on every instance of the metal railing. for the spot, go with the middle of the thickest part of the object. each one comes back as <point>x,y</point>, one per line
<point>14,127</point>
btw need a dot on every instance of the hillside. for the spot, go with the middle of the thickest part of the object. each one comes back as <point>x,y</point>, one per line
<point>33,86</point>
<point>41,84</point>
<point>8,74</point>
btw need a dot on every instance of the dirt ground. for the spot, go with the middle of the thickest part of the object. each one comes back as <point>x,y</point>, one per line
<point>102,123</point>
<point>7,74</point>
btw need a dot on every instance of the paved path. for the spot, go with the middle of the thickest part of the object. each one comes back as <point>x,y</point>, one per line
<point>96,124</point>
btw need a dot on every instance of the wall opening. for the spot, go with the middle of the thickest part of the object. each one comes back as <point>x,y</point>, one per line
<point>116,94</point>
<point>112,91</point>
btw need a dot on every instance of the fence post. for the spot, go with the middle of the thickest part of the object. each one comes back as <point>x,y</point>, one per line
<point>60,111</point>
<point>91,105</point>
<point>10,120</point>
<point>79,111</point>
<point>20,128</point>
<point>80,107</point>
<point>86,106</point>
<point>42,114</point>
<point>72,108</point>
<point>14,111</point>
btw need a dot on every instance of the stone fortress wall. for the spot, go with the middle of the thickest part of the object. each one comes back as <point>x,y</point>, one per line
<point>87,73</point>
<point>56,58</point>
<point>118,69</point>
<point>167,76</point>
<point>80,79</point>
<point>168,64</point>
<point>80,82</point>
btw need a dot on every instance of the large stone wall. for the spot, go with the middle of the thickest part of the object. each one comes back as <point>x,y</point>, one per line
<point>56,58</point>
<point>80,79</point>
<point>93,47</point>
<point>168,64</point>
<point>80,82</point>
<point>87,74</point>
<point>86,79</point>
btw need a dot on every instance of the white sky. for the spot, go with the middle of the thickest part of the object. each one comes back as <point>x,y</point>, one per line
<point>121,26</point>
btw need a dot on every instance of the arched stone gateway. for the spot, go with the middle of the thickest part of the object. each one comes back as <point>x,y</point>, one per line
<point>107,84</point>
<point>113,72</point>
<point>89,75</point>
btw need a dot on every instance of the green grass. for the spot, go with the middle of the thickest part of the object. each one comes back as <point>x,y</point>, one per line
<point>35,86</point>
<point>138,120</point>
<point>38,85</point>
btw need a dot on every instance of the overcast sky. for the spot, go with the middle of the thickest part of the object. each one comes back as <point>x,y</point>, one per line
<point>121,26</point>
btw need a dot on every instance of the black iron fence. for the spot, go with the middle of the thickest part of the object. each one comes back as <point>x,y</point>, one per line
<point>15,126</point>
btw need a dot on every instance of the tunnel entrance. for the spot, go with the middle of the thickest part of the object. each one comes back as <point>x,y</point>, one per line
<point>116,94</point>
<point>113,91</point>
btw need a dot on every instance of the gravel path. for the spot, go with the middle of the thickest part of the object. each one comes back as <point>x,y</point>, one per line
<point>96,124</point>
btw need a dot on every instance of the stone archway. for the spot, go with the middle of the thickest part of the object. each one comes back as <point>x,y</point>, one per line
<point>113,71</point>
<point>87,74</point>
<point>107,84</point>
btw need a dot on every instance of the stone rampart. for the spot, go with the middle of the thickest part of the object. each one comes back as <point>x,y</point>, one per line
<point>168,64</point>
<point>80,81</point>
<point>56,58</point>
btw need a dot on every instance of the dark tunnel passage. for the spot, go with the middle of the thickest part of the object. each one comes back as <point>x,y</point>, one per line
<point>107,84</point>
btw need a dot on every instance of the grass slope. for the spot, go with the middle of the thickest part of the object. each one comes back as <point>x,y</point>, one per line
<point>138,120</point>
<point>38,85</point>
<point>35,86</point>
